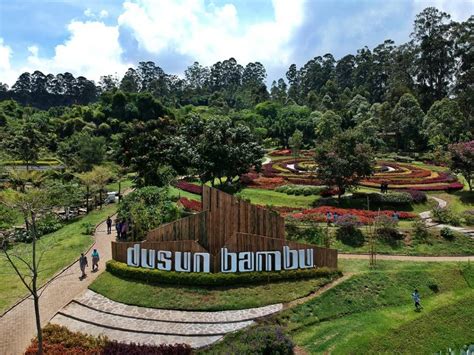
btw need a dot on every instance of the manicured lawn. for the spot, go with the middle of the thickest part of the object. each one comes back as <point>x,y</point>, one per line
<point>181,193</point>
<point>62,248</point>
<point>443,323</point>
<point>435,245</point>
<point>269,197</point>
<point>372,312</point>
<point>202,298</point>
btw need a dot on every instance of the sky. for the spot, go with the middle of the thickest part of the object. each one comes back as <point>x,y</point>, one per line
<point>100,37</point>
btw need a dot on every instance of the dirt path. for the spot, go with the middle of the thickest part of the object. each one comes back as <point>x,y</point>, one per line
<point>17,326</point>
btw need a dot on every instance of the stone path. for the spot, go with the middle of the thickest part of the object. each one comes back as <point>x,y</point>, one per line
<point>17,326</point>
<point>97,315</point>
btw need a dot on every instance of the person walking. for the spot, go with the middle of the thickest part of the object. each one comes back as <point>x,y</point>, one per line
<point>118,228</point>
<point>109,225</point>
<point>416,298</point>
<point>95,260</point>
<point>83,264</point>
<point>124,230</point>
<point>328,217</point>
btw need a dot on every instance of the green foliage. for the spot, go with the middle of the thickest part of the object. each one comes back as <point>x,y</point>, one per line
<point>7,217</point>
<point>447,233</point>
<point>299,190</point>
<point>408,116</point>
<point>146,208</point>
<point>48,223</point>
<point>420,231</point>
<point>88,228</point>
<point>82,151</point>
<point>386,229</point>
<point>462,160</point>
<point>344,161</point>
<point>348,233</point>
<point>211,279</point>
<point>446,216</point>
<point>261,339</point>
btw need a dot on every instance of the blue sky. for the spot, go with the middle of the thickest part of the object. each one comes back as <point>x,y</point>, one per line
<point>98,37</point>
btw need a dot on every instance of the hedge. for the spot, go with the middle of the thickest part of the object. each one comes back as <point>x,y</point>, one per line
<point>154,276</point>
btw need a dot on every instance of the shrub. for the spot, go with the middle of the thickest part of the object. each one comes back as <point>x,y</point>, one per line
<point>155,276</point>
<point>392,198</point>
<point>469,217</point>
<point>446,216</point>
<point>48,223</point>
<point>116,348</point>
<point>417,196</point>
<point>420,231</point>
<point>387,229</point>
<point>20,235</point>
<point>348,233</point>
<point>447,233</point>
<point>263,339</point>
<point>313,234</point>
<point>298,190</point>
<point>87,228</point>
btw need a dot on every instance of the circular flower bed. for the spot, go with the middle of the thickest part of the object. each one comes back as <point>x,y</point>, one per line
<point>300,171</point>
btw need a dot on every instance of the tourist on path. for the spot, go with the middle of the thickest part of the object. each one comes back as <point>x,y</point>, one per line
<point>416,298</point>
<point>118,228</point>
<point>109,225</point>
<point>124,230</point>
<point>83,264</point>
<point>95,260</point>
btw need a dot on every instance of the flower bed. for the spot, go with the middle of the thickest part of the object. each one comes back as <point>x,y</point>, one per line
<point>187,186</point>
<point>191,205</point>
<point>318,214</point>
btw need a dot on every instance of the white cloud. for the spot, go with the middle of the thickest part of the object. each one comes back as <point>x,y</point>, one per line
<point>459,10</point>
<point>6,74</point>
<point>88,13</point>
<point>92,50</point>
<point>103,13</point>
<point>209,33</point>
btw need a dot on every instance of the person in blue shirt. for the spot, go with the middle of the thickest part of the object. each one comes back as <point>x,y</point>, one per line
<point>95,260</point>
<point>416,298</point>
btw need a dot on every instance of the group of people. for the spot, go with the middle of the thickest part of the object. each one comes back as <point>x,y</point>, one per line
<point>331,217</point>
<point>384,187</point>
<point>122,227</point>
<point>83,263</point>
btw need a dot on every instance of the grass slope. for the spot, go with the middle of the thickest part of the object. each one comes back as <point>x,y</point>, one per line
<point>269,197</point>
<point>62,248</point>
<point>373,312</point>
<point>202,298</point>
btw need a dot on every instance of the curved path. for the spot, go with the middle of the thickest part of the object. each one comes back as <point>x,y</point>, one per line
<point>97,315</point>
<point>17,325</point>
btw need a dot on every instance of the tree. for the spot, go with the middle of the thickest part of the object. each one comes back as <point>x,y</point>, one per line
<point>216,148</point>
<point>462,160</point>
<point>434,60</point>
<point>343,162</point>
<point>444,123</point>
<point>82,151</point>
<point>147,208</point>
<point>26,143</point>
<point>407,118</point>
<point>328,126</point>
<point>101,176</point>
<point>296,140</point>
<point>26,265</point>
<point>87,179</point>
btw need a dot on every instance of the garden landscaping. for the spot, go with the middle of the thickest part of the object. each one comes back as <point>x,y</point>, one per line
<point>60,248</point>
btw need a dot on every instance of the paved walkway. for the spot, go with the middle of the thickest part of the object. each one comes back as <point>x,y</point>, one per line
<point>97,315</point>
<point>17,326</point>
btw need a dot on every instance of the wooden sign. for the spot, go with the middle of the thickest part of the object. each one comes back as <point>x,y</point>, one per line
<point>229,233</point>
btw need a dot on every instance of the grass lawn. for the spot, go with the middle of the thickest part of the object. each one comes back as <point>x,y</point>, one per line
<point>459,201</point>
<point>372,312</point>
<point>126,184</point>
<point>202,298</point>
<point>181,193</point>
<point>62,248</point>
<point>269,197</point>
